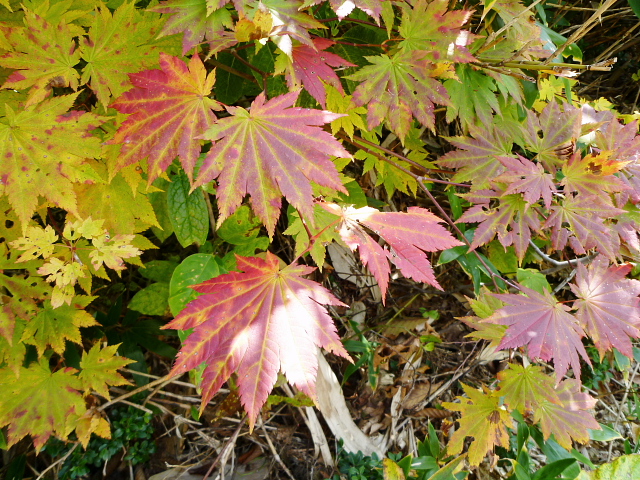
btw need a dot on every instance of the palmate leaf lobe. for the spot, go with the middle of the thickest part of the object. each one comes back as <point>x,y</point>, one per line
<point>608,306</point>
<point>408,235</point>
<point>545,326</point>
<point>525,388</point>
<point>396,89</point>
<point>257,322</point>
<point>99,369</point>
<point>39,403</point>
<point>484,419</point>
<point>272,150</point>
<point>169,108</point>
<point>43,152</point>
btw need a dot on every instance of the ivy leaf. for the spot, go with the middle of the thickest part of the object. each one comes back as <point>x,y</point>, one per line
<point>432,30</point>
<point>43,151</point>
<point>169,108</point>
<point>44,57</point>
<point>257,322</point>
<point>483,419</point>
<point>396,89</point>
<point>569,418</point>
<point>478,156</point>
<point>53,326</point>
<point>524,388</point>
<point>408,235</point>
<point>269,151</point>
<point>608,305</point>
<point>545,326</point>
<point>39,403</point>
<point>100,369</point>
<point>195,19</point>
<point>310,67</point>
<point>116,44</point>
<point>528,178</point>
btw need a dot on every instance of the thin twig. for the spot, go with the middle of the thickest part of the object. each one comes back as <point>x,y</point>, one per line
<point>274,451</point>
<point>230,443</point>
<point>149,385</point>
<point>558,264</point>
<point>58,462</point>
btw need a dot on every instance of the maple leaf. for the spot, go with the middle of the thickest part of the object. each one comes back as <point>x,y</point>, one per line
<point>288,22</point>
<point>512,220</point>
<point>309,67</point>
<point>408,235</point>
<point>396,89</point>
<point>100,369</point>
<point>585,218</point>
<point>91,422</point>
<point>116,44</point>
<point>491,332</point>
<point>53,326</point>
<point>196,19</point>
<point>478,156</point>
<point>269,151</point>
<point>345,7</point>
<point>525,388</point>
<point>545,326</point>
<point>608,305</point>
<point>257,322</point>
<point>37,242</point>
<point>111,251</point>
<point>434,32</point>
<point>472,95</point>
<point>43,56</point>
<point>169,108</point>
<point>528,178</point>
<point>483,419</point>
<point>43,151</point>
<point>569,418</point>
<point>339,103</point>
<point>37,402</point>
<point>591,175</point>
<point>560,130</point>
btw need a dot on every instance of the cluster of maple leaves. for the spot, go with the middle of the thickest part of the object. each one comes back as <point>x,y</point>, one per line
<point>100,102</point>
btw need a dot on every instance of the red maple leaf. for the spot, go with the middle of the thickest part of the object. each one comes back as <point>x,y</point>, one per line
<point>527,178</point>
<point>169,108</point>
<point>608,305</point>
<point>270,151</point>
<point>545,326</point>
<point>257,322</point>
<point>408,235</point>
<point>311,66</point>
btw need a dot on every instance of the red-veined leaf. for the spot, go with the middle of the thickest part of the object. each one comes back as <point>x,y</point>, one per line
<point>608,305</point>
<point>528,178</point>
<point>270,151</point>
<point>169,108</point>
<point>257,322</point>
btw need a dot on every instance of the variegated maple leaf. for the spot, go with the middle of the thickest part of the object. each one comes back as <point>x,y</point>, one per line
<point>608,305</point>
<point>545,326</point>
<point>257,322</point>
<point>408,235</point>
<point>345,7</point>
<point>169,108</point>
<point>269,151</point>
<point>310,67</point>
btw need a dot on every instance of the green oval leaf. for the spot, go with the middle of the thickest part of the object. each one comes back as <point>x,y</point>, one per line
<point>187,212</point>
<point>193,270</point>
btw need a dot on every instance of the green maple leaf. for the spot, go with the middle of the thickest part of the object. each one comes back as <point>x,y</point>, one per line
<point>525,388</point>
<point>43,55</point>
<point>53,326</point>
<point>37,242</point>
<point>591,175</point>
<point>115,203</point>
<point>345,7</point>
<point>472,96</point>
<point>170,108</point>
<point>396,89</point>
<point>269,151</point>
<point>197,19</point>
<point>338,102</point>
<point>43,152</point>
<point>433,32</point>
<point>483,419</point>
<point>569,418</point>
<point>116,44</point>
<point>39,403</point>
<point>100,369</point>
